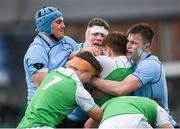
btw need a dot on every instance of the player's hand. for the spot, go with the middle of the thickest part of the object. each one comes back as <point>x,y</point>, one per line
<point>93,50</point>
<point>97,94</point>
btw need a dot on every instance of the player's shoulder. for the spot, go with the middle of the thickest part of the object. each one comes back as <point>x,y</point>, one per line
<point>151,61</point>
<point>37,42</point>
<point>69,39</point>
<point>103,58</point>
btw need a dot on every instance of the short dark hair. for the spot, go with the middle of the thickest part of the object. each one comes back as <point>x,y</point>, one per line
<point>144,29</point>
<point>117,41</point>
<point>91,59</point>
<point>98,22</point>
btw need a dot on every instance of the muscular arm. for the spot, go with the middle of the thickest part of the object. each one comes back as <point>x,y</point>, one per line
<point>169,126</point>
<point>38,77</point>
<point>90,123</point>
<point>162,120</point>
<point>96,116</point>
<point>129,84</point>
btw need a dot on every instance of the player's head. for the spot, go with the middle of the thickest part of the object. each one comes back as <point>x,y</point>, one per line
<point>98,22</point>
<point>45,18</point>
<point>140,37</point>
<point>86,65</point>
<point>114,44</point>
<point>144,30</point>
<point>97,29</point>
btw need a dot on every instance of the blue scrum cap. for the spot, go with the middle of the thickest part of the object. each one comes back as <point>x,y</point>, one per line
<point>44,18</point>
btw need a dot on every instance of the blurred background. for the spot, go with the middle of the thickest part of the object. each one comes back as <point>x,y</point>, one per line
<point>17,30</point>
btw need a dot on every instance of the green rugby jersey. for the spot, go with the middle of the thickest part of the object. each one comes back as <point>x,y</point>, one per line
<point>114,69</point>
<point>131,105</point>
<point>56,97</point>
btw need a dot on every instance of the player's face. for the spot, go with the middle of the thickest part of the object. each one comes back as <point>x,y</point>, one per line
<point>95,40</point>
<point>134,46</point>
<point>84,76</point>
<point>58,28</point>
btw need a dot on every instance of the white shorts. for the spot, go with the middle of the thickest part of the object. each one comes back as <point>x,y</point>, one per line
<point>125,121</point>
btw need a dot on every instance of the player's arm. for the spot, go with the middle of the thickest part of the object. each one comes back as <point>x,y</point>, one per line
<point>96,113</point>
<point>129,84</point>
<point>38,77</point>
<point>37,62</point>
<point>95,117</point>
<point>86,102</point>
<point>167,126</point>
<point>91,123</point>
<point>162,120</point>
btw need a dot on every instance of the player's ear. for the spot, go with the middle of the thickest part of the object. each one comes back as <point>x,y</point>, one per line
<point>109,51</point>
<point>147,46</point>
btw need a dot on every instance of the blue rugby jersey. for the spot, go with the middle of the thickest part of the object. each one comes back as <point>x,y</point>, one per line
<point>151,74</point>
<point>45,55</point>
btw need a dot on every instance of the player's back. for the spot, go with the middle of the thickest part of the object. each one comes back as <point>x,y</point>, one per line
<point>114,69</point>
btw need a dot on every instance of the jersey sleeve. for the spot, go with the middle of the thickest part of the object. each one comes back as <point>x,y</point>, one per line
<point>162,117</point>
<point>84,99</point>
<point>148,71</point>
<point>72,45</point>
<point>36,59</point>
